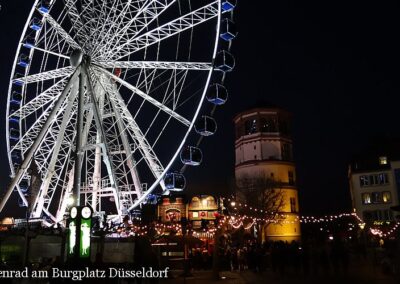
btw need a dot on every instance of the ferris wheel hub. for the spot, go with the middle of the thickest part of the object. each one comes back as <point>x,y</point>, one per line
<point>76,57</point>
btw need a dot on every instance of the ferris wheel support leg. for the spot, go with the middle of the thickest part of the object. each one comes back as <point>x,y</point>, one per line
<point>76,191</point>
<point>96,204</point>
<point>106,152</point>
<point>130,160</point>
<point>29,156</point>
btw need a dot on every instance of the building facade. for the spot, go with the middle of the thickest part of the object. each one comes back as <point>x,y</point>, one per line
<point>197,210</point>
<point>375,188</point>
<point>263,148</point>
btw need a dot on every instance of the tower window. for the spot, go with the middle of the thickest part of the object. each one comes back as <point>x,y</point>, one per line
<point>286,152</point>
<point>250,126</point>
<point>291,178</point>
<point>268,124</point>
<point>293,204</point>
<point>383,160</point>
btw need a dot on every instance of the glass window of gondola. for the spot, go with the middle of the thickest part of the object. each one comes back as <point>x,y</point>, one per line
<point>14,134</point>
<point>14,108</point>
<point>206,126</point>
<point>169,181</point>
<point>16,155</point>
<point>14,120</point>
<point>175,181</point>
<point>29,41</point>
<point>36,24</point>
<point>16,97</point>
<point>44,6</point>
<point>224,61</point>
<point>217,94</point>
<point>228,5</point>
<point>197,156</point>
<point>17,79</point>
<point>23,60</point>
<point>180,181</point>
<point>228,29</point>
<point>24,185</point>
<point>191,156</point>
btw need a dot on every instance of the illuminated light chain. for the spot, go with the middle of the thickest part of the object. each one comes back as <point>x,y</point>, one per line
<point>302,219</point>
<point>378,232</point>
<point>237,221</point>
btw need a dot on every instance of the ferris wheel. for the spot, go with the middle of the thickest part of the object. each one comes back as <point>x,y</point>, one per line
<point>104,94</point>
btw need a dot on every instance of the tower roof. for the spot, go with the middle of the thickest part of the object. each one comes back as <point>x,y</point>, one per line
<point>261,104</point>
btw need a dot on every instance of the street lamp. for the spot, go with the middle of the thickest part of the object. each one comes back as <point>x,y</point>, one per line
<point>70,201</point>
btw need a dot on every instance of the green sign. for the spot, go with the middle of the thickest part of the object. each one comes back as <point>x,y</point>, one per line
<point>84,248</point>
<point>79,228</point>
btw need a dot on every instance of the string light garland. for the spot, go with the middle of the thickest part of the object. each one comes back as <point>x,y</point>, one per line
<point>237,221</point>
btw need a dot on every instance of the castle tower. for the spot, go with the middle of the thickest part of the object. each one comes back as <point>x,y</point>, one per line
<point>264,148</point>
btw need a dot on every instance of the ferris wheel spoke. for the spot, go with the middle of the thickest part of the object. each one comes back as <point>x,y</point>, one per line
<point>144,16</point>
<point>200,66</point>
<point>130,161</point>
<point>148,98</point>
<point>177,26</point>
<point>60,31</point>
<point>51,52</point>
<point>32,133</point>
<point>104,23</point>
<point>133,129</point>
<point>76,21</point>
<point>38,140</point>
<point>48,96</point>
<point>60,140</point>
<point>47,75</point>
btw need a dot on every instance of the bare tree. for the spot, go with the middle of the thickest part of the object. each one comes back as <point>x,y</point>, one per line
<point>261,193</point>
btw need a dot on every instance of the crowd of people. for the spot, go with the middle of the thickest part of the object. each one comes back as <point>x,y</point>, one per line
<point>309,258</point>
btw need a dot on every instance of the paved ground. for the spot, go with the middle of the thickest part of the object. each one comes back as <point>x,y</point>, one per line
<point>359,272</point>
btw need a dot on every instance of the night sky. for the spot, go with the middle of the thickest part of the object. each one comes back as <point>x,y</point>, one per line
<point>334,65</point>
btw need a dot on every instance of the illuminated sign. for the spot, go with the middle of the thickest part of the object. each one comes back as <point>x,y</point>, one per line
<point>79,228</point>
<point>84,248</point>
<point>86,212</point>
<point>71,237</point>
<point>74,212</point>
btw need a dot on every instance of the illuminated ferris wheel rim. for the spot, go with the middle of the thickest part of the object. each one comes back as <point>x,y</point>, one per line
<point>99,61</point>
